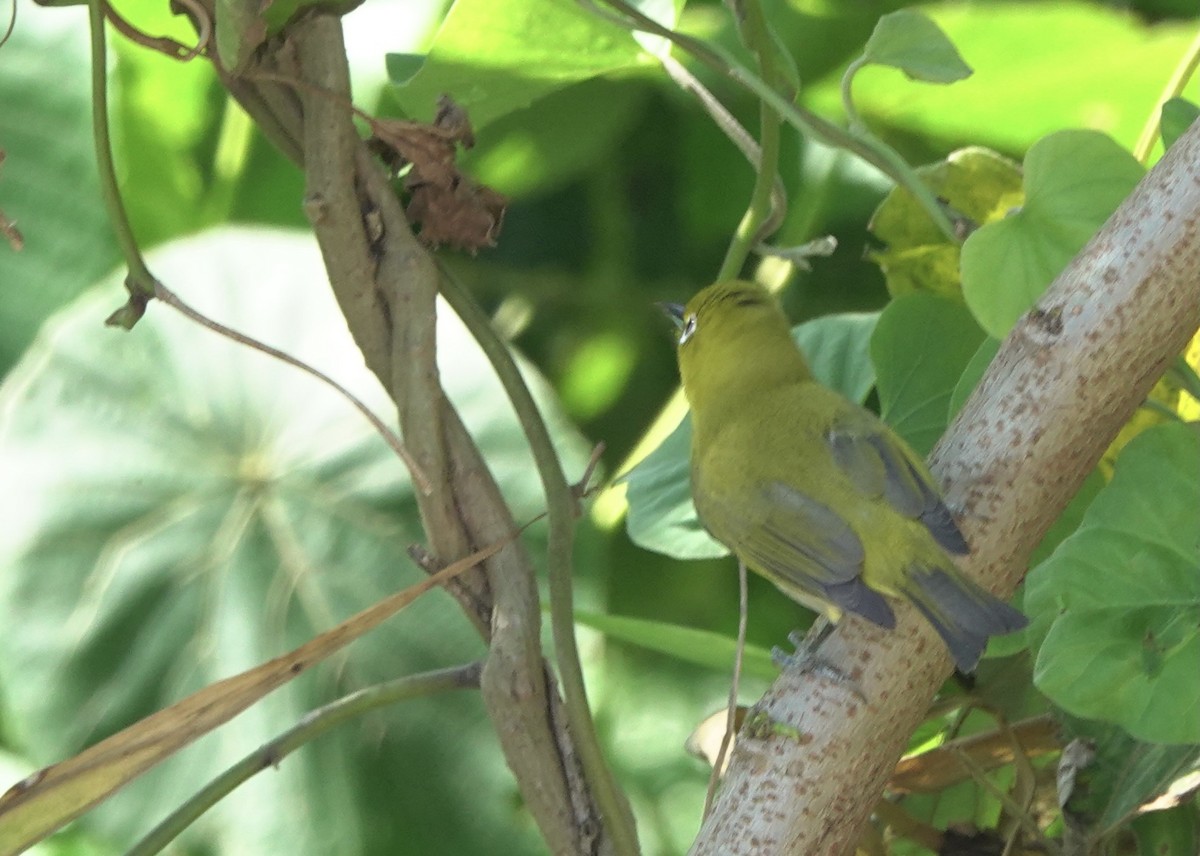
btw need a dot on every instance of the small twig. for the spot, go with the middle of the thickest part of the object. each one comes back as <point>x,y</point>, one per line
<point>311,88</point>
<point>582,488</point>
<point>731,711</point>
<point>729,126</point>
<point>872,150</point>
<point>165,44</point>
<point>1019,813</point>
<point>173,300</point>
<point>1174,86</point>
<point>799,255</point>
<point>311,725</point>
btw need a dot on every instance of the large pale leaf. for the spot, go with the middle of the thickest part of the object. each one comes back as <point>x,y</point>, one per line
<point>48,799</point>
<point>179,509</point>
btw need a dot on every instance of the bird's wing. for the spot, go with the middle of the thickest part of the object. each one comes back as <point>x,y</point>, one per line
<point>878,465</point>
<point>808,549</point>
<point>803,540</point>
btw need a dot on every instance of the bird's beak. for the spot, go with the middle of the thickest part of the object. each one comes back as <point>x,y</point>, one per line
<point>674,311</point>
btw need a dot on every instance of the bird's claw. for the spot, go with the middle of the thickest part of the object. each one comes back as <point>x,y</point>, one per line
<point>807,659</point>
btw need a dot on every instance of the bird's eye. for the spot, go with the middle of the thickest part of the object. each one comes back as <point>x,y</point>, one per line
<point>689,327</point>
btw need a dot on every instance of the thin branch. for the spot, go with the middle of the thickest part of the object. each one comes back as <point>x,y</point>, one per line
<point>1017,812</point>
<point>386,284</point>
<point>762,215</point>
<point>311,726</point>
<point>561,505</point>
<point>140,282</point>
<point>739,136</point>
<point>870,149</point>
<point>1174,87</point>
<point>731,708</point>
<point>389,436</point>
<point>12,23</point>
<point>164,44</point>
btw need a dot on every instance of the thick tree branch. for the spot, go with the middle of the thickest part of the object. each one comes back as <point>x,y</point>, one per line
<point>386,285</point>
<point>1053,399</point>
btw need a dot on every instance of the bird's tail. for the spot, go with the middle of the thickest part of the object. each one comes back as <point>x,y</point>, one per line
<point>962,613</point>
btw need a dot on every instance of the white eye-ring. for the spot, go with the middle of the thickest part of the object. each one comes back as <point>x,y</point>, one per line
<point>689,327</point>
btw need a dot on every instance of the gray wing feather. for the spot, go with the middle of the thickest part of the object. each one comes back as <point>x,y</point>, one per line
<point>806,547</point>
<point>802,530</point>
<point>877,466</point>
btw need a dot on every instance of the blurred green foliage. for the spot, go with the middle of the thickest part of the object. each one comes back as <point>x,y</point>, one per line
<point>622,193</point>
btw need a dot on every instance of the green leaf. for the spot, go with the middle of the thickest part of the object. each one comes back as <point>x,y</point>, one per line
<point>1065,75</point>
<point>240,30</point>
<point>1074,180</point>
<point>972,373</point>
<point>1124,774</point>
<point>702,647</point>
<point>48,182</point>
<point>1174,830</point>
<point>920,348</point>
<point>838,351</point>
<point>661,515</point>
<point>179,508</point>
<point>1178,114</point>
<point>497,56</point>
<point>912,42</point>
<point>977,185</point>
<point>1124,593</point>
<point>175,175</point>
<point>541,149</point>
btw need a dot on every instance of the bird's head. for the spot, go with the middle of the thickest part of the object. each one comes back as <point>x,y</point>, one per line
<point>732,335</point>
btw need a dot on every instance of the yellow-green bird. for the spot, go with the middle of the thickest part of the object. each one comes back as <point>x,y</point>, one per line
<point>812,491</point>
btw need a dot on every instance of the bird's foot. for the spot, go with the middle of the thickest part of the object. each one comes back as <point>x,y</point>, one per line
<point>808,660</point>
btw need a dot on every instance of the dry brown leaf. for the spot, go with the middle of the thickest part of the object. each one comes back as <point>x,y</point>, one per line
<point>938,769</point>
<point>447,205</point>
<point>43,802</point>
<point>466,216</point>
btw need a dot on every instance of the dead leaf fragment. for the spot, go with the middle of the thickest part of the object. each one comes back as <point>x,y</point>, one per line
<point>466,215</point>
<point>448,206</point>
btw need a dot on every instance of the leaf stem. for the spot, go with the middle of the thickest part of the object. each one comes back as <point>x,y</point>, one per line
<point>871,149</point>
<point>389,436</point>
<point>310,726</point>
<point>139,281</point>
<point>561,512</point>
<point>1179,78</point>
<point>762,216</point>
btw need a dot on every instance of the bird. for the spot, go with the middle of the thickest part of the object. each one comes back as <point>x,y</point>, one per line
<point>812,491</point>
